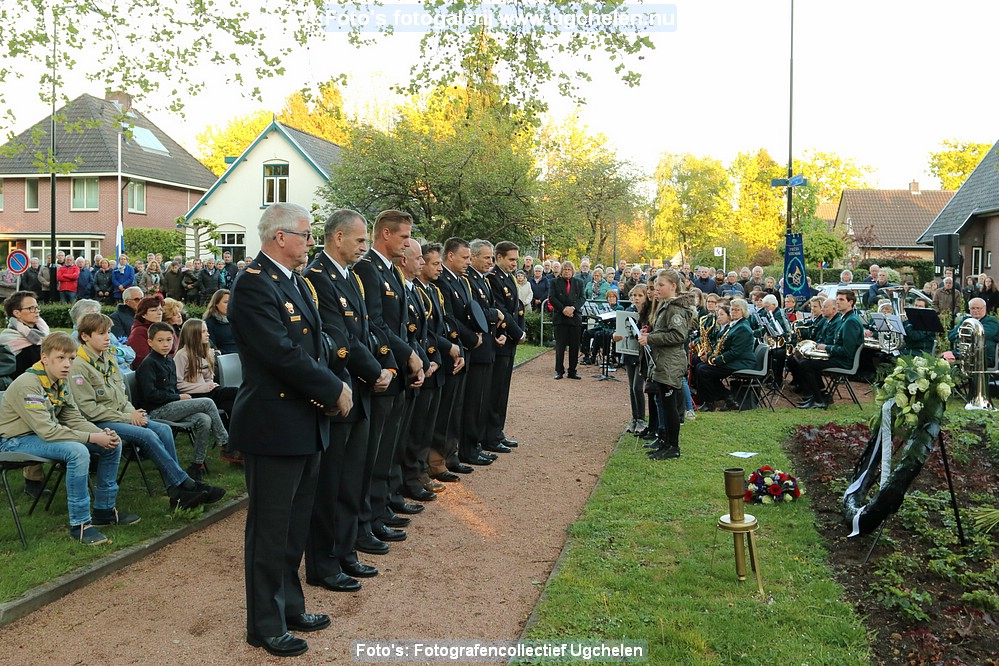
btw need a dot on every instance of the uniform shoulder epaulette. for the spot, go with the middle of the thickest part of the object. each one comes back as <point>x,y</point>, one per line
<point>367,259</point>
<point>254,271</point>
<point>316,270</point>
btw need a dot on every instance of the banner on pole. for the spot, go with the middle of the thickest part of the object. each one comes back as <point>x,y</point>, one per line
<point>795,278</point>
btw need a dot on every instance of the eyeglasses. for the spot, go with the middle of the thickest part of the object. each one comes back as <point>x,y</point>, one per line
<point>307,235</point>
<point>33,308</point>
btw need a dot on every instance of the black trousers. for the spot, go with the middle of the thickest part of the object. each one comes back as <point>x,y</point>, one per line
<point>810,376</point>
<point>447,429</point>
<point>281,491</point>
<point>636,386</point>
<point>567,336</point>
<point>474,410</point>
<point>709,382</point>
<point>421,432</point>
<point>671,407</point>
<point>333,529</point>
<point>499,398</point>
<point>381,474</point>
<point>403,454</point>
<point>385,410</point>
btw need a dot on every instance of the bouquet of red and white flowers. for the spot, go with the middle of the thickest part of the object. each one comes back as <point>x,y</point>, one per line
<point>768,485</point>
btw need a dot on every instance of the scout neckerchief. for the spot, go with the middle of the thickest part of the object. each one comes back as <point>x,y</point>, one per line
<point>57,393</point>
<point>106,368</point>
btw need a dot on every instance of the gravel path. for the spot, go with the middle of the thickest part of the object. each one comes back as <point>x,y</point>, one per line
<point>473,567</point>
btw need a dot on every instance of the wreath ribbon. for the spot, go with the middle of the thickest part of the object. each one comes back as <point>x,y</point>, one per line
<point>884,444</point>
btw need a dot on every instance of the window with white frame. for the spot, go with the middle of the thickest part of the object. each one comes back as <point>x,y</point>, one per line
<point>40,248</point>
<point>30,194</point>
<point>136,196</point>
<point>233,242</point>
<point>976,260</point>
<point>275,183</point>
<point>84,194</point>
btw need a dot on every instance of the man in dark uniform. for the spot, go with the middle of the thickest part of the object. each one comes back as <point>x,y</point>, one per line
<point>504,291</point>
<point>330,557</point>
<point>478,386</point>
<point>457,298</point>
<point>385,297</point>
<point>451,360</point>
<point>280,423</point>
<point>406,476</point>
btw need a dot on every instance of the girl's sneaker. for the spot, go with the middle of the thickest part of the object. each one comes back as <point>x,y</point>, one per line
<point>690,415</point>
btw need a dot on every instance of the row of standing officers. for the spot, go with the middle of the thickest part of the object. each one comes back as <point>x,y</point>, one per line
<point>380,376</point>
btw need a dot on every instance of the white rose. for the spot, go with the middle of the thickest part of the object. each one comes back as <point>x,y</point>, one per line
<point>923,384</point>
<point>913,388</point>
<point>901,399</point>
<point>916,406</point>
<point>919,362</point>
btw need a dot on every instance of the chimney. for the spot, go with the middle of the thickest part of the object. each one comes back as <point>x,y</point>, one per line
<point>914,187</point>
<point>122,99</point>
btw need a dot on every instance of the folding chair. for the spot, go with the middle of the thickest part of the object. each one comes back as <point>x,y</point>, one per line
<point>228,370</point>
<point>9,461</point>
<point>756,377</point>
<point>131,388</point>
<point>836,377</point>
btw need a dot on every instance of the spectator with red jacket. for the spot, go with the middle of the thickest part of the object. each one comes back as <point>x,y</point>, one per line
<point>67,276</point>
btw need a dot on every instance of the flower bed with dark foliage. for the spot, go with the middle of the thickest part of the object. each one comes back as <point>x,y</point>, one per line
<point>925,598</point>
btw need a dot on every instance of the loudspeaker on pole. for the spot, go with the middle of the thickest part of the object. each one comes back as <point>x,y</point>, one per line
<point>947,250</point>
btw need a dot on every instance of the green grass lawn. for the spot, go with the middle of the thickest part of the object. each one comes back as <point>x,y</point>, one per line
<point>526,352</point>
<point>646,562</point>
<point>51,552</point>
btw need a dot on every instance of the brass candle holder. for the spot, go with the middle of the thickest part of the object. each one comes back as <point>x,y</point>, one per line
<point>740,523</point>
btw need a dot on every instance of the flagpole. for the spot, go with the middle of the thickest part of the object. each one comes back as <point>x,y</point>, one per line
<point>118,228</point>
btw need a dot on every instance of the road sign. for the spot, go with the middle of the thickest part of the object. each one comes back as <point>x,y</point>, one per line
<point>778,182</point>
<point>17,262</point>
<point>719,251</point>
<point>798,181</point>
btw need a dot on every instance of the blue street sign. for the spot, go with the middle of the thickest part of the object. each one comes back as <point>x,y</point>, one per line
<point>778,182</point>
<point>17,262</point>
<point>798,181</point>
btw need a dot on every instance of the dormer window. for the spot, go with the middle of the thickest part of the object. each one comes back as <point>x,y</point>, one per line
<point>275,183</point>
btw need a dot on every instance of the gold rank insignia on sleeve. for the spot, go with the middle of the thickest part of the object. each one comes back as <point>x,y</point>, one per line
<point>316,270</point>
<point>341,352</point>
<point>383,350</point>
<point>254,271</point>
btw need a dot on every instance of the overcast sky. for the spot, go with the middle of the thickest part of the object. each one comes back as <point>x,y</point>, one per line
<point>883,82</point>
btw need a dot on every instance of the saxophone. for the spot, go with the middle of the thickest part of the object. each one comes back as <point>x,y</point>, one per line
<point>704,331</point>
<point>716,352</point>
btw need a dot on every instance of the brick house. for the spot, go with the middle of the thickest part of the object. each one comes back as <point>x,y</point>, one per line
<point>973,214</point>
<point>887,224</point>
<point>160,180</point>
<point>282,164</point>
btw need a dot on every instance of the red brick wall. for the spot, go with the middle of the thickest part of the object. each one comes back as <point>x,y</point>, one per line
<point>163,205</point>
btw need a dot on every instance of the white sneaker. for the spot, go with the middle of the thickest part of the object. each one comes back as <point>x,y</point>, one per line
<point>631,426</point>
<point>690,415</point>
<point>640,425</point>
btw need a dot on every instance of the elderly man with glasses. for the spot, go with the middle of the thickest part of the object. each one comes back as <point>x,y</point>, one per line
<point>124,315</point>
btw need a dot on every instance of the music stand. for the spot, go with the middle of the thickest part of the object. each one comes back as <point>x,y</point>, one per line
<point>924,319</point>
<point>608,340</point>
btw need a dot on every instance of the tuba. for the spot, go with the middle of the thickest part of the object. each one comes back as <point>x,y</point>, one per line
<point>807,349</point>
<point>971,358</point>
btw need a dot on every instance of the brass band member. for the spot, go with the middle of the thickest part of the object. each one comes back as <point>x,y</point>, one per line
<point>668,342</point>
<point>732,351</point>
<point>989,323</point>
<point>918,342</point>
<point>848,338</point>
<point>781,329</point>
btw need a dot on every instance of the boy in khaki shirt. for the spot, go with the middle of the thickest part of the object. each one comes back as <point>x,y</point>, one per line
<point>38,416</point>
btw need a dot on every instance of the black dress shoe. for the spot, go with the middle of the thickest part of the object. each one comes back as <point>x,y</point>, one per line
<point>496,447</point>
<point>478,460</point>
<point>366,543</point>
<point>389,534</point>
<point>308,621</point>
<point>487,455</point>
<point>460,468</point>
<point>448,477</point>
<point>407,508</point>
<point>574,375</point>
<point>359,570</point>
<point>341,582</point>
<point>420,494</point>
<point>396,521</point>
<point>285,645</point>
<point>806,404</point>
<point>558,375</point>
<point>512,443</point>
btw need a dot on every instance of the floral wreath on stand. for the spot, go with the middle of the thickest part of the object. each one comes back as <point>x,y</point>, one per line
<point>768,485</point>
<point>912,398</point>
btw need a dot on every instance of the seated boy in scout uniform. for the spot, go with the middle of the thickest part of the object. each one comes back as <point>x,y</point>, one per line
<point>39,417</point>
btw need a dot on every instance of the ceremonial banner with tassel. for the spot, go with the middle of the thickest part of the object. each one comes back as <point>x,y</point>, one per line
<point>795,279</point>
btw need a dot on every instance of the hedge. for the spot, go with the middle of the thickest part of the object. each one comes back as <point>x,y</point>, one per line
<point>56,315</point>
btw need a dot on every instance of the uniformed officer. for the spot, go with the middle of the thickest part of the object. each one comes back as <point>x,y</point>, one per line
<point>330,557</point>
<point>504,292</point>
<point>280,423</point>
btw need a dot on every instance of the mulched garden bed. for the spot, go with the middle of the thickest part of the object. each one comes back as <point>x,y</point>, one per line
<point>924,598</point>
